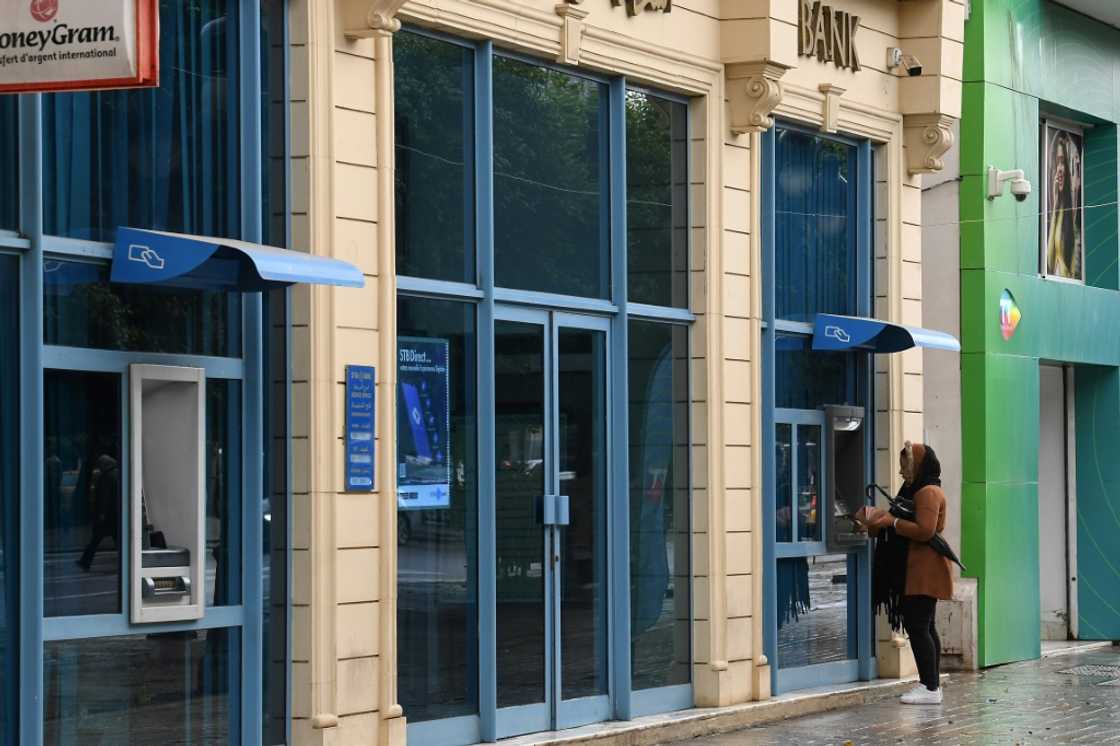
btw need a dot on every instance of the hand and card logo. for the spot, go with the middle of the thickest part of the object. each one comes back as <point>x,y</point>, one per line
<point>44,11</point>
<point>1009,315</point>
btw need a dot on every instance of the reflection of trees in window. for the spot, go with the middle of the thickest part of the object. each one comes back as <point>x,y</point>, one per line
<point>82,309</point>
<point>656,199</point>
<point>434,201</point>
<point>549,180</point>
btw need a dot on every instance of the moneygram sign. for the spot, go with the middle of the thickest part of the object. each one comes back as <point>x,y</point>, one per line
<point>67,45</point>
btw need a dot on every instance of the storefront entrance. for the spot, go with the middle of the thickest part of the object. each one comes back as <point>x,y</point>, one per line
<point>551,488</point>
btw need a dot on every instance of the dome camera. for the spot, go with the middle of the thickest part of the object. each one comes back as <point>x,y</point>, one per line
<point>897,58</point>
<point>1020,187</point>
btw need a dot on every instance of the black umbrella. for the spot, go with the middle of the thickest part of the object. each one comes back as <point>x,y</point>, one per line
<point>903,507</point>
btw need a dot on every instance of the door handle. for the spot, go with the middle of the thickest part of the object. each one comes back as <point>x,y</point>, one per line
<point>555,510</point>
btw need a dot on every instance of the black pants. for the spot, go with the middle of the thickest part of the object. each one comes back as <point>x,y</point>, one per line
<point>917,617</point>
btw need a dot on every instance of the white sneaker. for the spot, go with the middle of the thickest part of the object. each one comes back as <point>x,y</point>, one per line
<point>919,695</point>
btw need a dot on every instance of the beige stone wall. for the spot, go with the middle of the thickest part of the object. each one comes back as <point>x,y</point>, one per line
<point>344,670</point>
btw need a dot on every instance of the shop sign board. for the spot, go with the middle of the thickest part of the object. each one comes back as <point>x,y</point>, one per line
<point>828,34</point>
<point>66,45</point>
<point>360,409</point>
<point>423,424</point>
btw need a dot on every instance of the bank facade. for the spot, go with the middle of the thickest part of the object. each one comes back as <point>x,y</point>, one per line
<point>602,245</point>
<point>1037,394</point>
<point>600,241</point>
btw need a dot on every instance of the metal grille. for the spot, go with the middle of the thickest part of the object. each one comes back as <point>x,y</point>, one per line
<point>1093,670</point>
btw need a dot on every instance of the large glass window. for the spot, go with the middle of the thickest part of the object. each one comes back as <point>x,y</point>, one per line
<point>435,158</point>
<point>166,158</point>
<point>9,496</point>
<point>550,181</point>
<point>815,226</point>
<point>157,688</point>
<point>437,513</point>
<point>808,379</point>
<point>83,493</point>
<point>9,163</point>
<point>82,309</point>
<point>656,200</point>
<point>660,606</point>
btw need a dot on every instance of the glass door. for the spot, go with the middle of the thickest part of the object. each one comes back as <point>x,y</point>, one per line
<point>817,599</point>
<point>551,470</point>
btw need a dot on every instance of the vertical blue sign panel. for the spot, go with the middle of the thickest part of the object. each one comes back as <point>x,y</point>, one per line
<point>423,424</point>
<point>360,397</point>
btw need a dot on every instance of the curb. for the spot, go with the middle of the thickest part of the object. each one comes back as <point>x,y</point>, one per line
<point>697,723</point>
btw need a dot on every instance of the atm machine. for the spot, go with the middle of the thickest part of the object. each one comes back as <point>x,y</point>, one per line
<point>846,457</point>
<point>167,458</point>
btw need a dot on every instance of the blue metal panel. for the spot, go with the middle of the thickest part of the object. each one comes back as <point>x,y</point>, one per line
<point>769,575</point>
<point>438,288</point>
<point>112,625</point>
<point>487,515</point>
<point>659,313</point>
<point>618,593</point>
<point>663,699</point>
<point>460,731</point>
<point>820,674</point>
<point>274,266</point>
<point>147,256</point>
<point>553,300</point>
<point>114,361</point>
<point>31,425</point>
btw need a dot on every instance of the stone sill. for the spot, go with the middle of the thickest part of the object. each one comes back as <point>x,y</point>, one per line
<point>695,723</point>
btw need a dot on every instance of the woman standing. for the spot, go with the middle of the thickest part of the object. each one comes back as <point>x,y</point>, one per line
<point>928,576</point>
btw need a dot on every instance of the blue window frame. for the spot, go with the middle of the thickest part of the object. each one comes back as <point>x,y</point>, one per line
<point>201,153</point>
<point>495,110</point>
<point>816,221</point>
<point>9,497</point>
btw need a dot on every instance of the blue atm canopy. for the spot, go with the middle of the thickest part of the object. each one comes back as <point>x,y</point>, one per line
<point>833,332</point>
<point>156,257</point>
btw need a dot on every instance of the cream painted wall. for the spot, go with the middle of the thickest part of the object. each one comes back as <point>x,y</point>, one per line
<point>344,673</point>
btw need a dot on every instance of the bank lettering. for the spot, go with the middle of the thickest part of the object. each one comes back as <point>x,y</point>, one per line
<point>828,34</point>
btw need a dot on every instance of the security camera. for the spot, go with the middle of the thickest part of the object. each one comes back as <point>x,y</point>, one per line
<point>1020,187</point>
<point>897,58</point>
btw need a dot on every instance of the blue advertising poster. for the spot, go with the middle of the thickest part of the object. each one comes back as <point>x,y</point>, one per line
<point>423,424</point>
<point>360,397</point>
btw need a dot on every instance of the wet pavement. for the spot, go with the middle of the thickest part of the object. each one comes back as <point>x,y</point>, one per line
<point>1065,699</point>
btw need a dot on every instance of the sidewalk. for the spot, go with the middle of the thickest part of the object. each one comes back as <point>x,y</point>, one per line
<point>1071,698</point>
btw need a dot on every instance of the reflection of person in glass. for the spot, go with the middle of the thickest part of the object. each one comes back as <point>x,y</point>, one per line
<point>106,481</point>
<point>1063,241</point>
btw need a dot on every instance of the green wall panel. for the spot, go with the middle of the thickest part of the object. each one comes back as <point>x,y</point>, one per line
<point>1025,59</point>
<point>1098,509</point>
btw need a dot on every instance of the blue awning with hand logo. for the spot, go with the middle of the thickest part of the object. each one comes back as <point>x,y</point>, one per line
<point>832,332</point>
<point>157,257</point>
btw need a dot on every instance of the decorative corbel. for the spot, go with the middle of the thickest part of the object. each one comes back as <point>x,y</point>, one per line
<point>634,7</point>
<point>754,90</point>
<point>830,112</point>
<point>571,33</point>
<point>379,17</point>
<point>926,138</point>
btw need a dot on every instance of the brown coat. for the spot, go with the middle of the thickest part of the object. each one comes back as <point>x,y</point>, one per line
<point>927,572</point>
